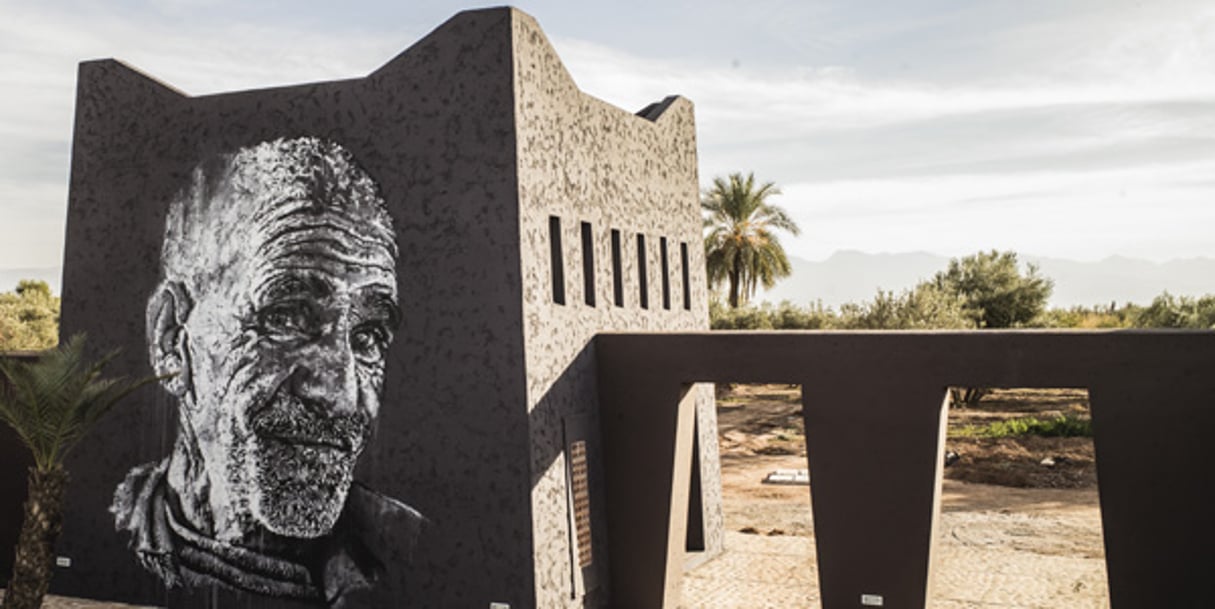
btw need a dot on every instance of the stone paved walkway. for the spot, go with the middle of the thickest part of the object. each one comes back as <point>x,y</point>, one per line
<point>987,560</point>
<point>755,572</point>
<point>63,602</point>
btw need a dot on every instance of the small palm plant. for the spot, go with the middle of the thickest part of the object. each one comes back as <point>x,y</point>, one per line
<point>51,403</point>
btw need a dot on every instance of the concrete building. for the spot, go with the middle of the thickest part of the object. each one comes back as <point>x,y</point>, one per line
<point>528,216</point>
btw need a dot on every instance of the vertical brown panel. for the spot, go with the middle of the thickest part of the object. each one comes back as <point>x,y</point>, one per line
<point>647,427</point>
<point>1152,435</point>
<point>874,450</point>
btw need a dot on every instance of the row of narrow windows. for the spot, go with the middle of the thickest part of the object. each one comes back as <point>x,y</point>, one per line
<point>587,232</point>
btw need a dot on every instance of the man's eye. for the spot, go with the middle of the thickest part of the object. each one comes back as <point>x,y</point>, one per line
<point>286,318</point>
<point>369,343</point>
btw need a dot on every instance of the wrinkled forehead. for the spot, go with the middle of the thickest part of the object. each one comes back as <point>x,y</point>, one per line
<point>307,227</point>
<point>280,192</point>
<point>286,203</point>
<point>307,235</point>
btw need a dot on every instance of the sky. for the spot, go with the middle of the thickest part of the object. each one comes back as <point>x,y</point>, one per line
<point>1076,129</point>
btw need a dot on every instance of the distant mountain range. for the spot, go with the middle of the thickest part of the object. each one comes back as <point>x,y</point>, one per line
<point>851,276</point>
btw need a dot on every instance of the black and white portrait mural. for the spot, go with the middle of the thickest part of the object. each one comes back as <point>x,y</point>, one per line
<point>276,307</point>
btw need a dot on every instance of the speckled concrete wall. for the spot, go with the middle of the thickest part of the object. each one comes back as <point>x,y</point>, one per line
<point>435,129</point>
<point>584,161</point>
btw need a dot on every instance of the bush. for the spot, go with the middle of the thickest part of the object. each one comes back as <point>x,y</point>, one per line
<point>924,308</point>
<point>785,316</point>
<point>1168,311</point>
<point>1090,318</point>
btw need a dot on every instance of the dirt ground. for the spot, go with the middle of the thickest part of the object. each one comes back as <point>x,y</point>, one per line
<point>766,420</point>
<point>1014,532</point>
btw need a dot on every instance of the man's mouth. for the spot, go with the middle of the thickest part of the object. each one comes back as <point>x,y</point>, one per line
<point>329,443</point>
<point>287,420</point>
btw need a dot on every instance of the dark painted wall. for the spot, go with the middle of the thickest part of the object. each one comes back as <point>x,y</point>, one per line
<point>874,416</point>
<point>434,128</point>
<point>15,461</point>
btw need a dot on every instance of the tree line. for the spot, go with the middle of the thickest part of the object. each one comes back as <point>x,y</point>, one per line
<point>985,290</point>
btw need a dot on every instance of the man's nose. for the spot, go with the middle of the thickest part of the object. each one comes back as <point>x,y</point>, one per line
<point>326,377</point>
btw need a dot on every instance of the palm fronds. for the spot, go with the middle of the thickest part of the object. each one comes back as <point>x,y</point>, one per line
<point>741,247</point>
<point>53,402</point>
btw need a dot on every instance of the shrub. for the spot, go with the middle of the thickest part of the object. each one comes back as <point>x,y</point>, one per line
<point>923,308</point>
<point>1058,427</point>
<point>1168,311</point>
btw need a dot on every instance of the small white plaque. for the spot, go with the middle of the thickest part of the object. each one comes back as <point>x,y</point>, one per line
<point>872,600</point>
<point>63,561</point>
<point>499,606</point>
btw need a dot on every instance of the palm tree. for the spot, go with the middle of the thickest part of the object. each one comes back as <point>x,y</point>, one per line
<point>740,247</point>
<point>51,403</point>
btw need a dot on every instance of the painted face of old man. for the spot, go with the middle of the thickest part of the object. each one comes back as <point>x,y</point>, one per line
<point>277,309</point>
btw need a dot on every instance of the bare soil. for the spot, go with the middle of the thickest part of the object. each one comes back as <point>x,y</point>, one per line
<point>766,420</point>
<point>1015,532</point>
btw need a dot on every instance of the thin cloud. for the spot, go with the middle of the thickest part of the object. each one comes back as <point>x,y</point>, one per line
<point>1076,111</point>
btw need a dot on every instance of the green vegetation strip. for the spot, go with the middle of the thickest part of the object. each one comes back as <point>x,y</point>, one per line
<point>1059,427</point>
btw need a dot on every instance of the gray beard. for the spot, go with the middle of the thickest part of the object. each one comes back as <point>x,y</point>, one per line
<point>299,490</point>
<point>299,467</point>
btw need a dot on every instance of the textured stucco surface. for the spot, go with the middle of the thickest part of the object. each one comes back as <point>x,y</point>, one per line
<point>434,128</point>
<point>583,160</point>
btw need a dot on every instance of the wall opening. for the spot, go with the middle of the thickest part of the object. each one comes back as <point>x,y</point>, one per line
<point>683,266</point>
<point>1020,523</point>
<point>666,273</point>
<point>556,259</point>
<point>643,285</point>
<point>617,275</point>
<point>769,529</point>
<point>588,264</point>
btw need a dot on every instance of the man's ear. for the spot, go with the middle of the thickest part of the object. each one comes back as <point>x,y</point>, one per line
<point>168,351</point>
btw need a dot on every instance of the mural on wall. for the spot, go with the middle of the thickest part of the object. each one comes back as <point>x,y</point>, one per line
<point>275,311</point>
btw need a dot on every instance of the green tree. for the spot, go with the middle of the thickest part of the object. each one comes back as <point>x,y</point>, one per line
<point>741,248</point>
<point>51,403</point>
<point>995,292</point>
<point>995,295</point>
<point>29,317</point>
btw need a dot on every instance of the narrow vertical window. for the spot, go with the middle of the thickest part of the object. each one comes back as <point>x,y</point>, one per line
<point>642,284</point>
<point>556,263</point>
<point>588,264</point>
<point>617,275</point>
<point>666,273</point>
<point>683,265</point>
